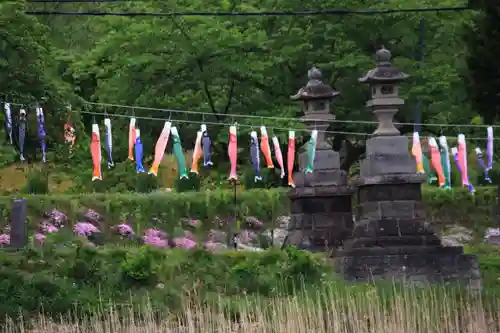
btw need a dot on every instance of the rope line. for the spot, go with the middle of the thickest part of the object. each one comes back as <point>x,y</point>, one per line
<point>259,13</point>
<point>249,126</point>
<point>231,115</point>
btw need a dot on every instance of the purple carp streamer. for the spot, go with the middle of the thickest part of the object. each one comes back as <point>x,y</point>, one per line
<point>482,165</point>
<point>22,133</point>
<point>41,132</point>
<point>489,148</point>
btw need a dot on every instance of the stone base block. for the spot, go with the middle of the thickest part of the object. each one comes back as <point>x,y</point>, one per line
<point>410,265</point>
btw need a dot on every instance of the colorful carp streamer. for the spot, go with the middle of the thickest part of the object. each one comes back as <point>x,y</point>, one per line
<point>445,161</point>
<point>458,163</point>
<point>95,152</point>
<point>109,142</point>
<point>278,155</point>
<point>232,151</point>
<point>197,152</point>
<point>480,162</point>
<point>291,157</point>
<point>436,160</point>
<point>161,145</point>
<point>69,136</point>
<point>489,148</point>
<point>22,132</point>
<point>179,155</point>
<point>206,144</point>
<point>255,155</point>
<point>131,138</point>
<point>8,121</point>
<point>41,132</point>
<point>416,151</point>
<point>139,168</point>
<point>265,147</point>
<point>462,159</point>
<point>311,151</point>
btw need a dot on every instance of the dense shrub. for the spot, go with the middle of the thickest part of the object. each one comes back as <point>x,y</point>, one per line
<point>57,279</point>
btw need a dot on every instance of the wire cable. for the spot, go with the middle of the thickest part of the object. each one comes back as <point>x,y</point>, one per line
<point>258,13</point>
<point>247,125</point>
<point>215,123</point>
<point>231,115</point>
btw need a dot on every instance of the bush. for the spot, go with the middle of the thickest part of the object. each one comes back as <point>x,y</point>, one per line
<point>56,279</point>
<point>192,184</point>
<point>37,183</point>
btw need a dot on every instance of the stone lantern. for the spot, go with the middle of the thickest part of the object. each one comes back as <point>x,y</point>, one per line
<point>321,202</point>
<point>392,238</point>
<point>384,83</point>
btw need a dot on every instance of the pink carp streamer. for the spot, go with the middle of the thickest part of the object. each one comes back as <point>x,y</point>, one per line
<point>278,155</point>
<point>436,160</point>
<point>462,160</point>
<point>416,151</point>
<point>232,151</point>
<point>161,145</point>
<point>131,139</point>
<point>291,157</point>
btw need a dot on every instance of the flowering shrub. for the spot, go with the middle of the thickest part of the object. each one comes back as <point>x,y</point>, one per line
<point>156,238</point>
<point>57,218</point>
<point>85,228</point>
<point>124,229</point>
<point>4,239</point>
<point>92,215</point>
<point>40,238</point>
<point>184,242</point>
<point>48,228</point>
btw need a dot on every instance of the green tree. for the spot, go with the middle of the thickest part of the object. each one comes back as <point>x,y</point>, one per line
<point>483,42</point>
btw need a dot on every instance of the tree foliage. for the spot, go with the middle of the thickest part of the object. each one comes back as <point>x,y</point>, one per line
<point>483,41</point>
<point>231,65</point>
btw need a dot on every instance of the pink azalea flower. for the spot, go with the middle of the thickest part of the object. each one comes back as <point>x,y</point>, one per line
<point>155,233</point>
<point>85,228</point>
<point>210,246</point>
<point>124,229</point>
<point>4,239</point>
<point>57,217</point>
<point>40,238</point>
<point>47,227</point>
<point>155,241</point>
<point>184,242</point>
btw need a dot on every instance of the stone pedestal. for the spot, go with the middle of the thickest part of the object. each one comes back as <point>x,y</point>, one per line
<point>321,205</point>
<point>393,240</point>
<point>321,202</point>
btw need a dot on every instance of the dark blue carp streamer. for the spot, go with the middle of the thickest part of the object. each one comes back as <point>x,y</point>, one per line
<point>138,152</point>
<point>41,132</point>
<point>8,121</point>
<point>255,155</point>
<point>22,133</point>
<point>206,145</point>
<point>109,142</point>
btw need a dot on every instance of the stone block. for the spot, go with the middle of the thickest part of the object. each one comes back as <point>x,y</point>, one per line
<point>384,164</point>
<point>390,227</point>
<point>418,266</point>
<point>386,192</point>
<point>324,159</point>
<point>387,145</point>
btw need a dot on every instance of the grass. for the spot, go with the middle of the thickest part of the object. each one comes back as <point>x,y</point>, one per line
<point>351,310</point>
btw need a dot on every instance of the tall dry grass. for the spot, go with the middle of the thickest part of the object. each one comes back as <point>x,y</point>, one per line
<point>354,311</point>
